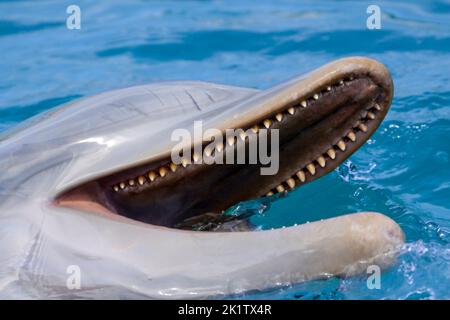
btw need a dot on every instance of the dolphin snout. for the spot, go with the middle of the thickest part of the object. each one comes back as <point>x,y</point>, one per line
<point>376,239</point>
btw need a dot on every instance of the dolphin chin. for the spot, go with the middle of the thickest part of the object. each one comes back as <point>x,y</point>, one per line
<point>92,184</point>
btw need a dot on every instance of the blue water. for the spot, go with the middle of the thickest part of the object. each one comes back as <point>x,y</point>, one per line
<point>404,170</point>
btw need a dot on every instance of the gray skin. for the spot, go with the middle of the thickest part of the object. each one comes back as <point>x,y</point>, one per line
<point>119,257</point>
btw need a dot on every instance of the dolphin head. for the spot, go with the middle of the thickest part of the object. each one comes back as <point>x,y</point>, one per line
<point>93,184</point>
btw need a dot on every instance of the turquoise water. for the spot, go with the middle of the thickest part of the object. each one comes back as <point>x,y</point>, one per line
<point>403,171</point>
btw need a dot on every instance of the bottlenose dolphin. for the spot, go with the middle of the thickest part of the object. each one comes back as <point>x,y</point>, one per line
<point>90,184</point>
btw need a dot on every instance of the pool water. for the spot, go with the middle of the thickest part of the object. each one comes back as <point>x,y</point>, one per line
<point>403,171</point>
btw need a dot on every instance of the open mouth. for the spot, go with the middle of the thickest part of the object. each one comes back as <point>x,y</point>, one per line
<point>318,130</point>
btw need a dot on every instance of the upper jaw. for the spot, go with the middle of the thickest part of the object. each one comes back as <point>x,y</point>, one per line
<point>257,107</point>
<point>124,144</point>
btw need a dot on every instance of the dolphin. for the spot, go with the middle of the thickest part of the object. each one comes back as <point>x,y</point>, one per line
<point>89,195</point>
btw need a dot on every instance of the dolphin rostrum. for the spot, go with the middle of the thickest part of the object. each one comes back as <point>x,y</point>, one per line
<point>91,184</point>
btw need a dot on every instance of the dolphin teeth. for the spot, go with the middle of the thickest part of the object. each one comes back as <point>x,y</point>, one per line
<point>331,153</point>
<point>267,123</point>
<point>279,117</point>
<point>341,145</point>
<point>321,161</point>
<point>291,183</point>
<point>184,162</point>
<point>311,168</point>
<point>173,167</point>
<point>301,175</point>
<point>351,135</point>
<point>162,171</point>
<point>362,127</point>
<point>152,176</point>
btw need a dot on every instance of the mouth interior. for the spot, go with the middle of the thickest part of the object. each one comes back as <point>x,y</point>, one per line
<point>317,132</point>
